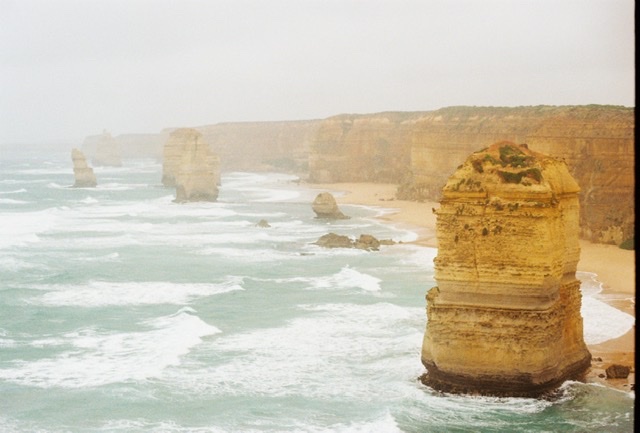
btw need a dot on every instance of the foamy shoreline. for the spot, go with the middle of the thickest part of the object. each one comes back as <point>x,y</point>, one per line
<point>614,267</point>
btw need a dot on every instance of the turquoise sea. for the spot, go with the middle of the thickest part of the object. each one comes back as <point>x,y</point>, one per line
<point>121,311</point>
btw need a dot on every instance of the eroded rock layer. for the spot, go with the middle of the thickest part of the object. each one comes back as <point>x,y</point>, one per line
<point>505,316</point>
<point>82,173</point>
<point>362,148</point>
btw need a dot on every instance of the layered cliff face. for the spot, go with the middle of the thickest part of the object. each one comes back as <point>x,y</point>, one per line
<point>362,148</point>
<point>82,173</point>
<point>130,145</point>
<point>597,143</point>
<point>253,146</point>
<point>505,316</point>
<point>191,167</point>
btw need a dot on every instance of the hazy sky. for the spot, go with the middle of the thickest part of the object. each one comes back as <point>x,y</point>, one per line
<point>71,68</point>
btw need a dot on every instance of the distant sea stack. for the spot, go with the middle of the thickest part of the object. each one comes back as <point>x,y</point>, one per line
<point>505,318</point>
<point>194,170</point>
<point>83,174</point>
<point>108,152</point>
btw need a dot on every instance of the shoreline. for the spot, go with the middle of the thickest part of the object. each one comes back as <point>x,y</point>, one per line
<point>614,267</point>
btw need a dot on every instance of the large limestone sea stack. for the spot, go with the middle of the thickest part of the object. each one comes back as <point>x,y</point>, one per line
<point>181,142</point>
<point>83,174</point>
<point>191,167</point>
<point>505,318</point>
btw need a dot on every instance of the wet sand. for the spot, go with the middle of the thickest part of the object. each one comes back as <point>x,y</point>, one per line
<point>615,268</point>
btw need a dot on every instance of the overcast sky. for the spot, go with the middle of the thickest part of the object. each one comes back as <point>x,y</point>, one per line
<point>71,68</point>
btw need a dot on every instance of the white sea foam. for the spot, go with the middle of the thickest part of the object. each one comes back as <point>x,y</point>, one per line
<point>384,423</point>
<point>12,201</point>
<point>601,321</point>
<point>346,278</point>
<point>112,257</point>
<point>102,293</point>
<point>17,191</point>
<point>115,186</point>
<point>358,348</point>
<point>54,185</point>
<point>89,200</point>
<point>24,227</point>
<point>101,358</point>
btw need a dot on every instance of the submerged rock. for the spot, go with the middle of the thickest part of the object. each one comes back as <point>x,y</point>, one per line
<point>364,242</point>
<point>325,206</point>
<point>332,240</point>
<point>83,174</point>
<point>505,318</point>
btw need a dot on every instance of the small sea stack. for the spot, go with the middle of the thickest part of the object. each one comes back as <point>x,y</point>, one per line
<point>505,317</point>
<point>83,174</point>
<point>325,206</point>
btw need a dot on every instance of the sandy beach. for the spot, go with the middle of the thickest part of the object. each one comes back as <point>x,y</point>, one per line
<point>615,267</point>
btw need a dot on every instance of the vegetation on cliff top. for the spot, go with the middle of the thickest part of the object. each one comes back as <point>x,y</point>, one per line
<point>509,156</point>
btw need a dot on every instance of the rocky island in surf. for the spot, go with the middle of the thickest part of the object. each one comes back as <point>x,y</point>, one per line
<point>191,167</point>
<point>505,316</point>
<point>82,173</point>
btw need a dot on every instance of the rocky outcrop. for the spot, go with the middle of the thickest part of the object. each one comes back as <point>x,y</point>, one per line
<point>617,371</point>
<point>505,318</point>
<point>178,150</point>
<point>325,206</point>
<point>363,148</point>
<point>364,242</point>
<point>191,166</point>
<point>83,174</point>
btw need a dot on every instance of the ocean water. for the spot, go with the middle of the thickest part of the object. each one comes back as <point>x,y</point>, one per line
<point>121,311</point>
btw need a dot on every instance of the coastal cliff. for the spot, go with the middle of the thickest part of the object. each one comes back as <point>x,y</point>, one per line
<point>420,149</point>
<point>105,150</point>
<point>505,318</point>
<point>597,143</point>
<point>260,146</point>
<point>130,145</point>
<point>362,148</point>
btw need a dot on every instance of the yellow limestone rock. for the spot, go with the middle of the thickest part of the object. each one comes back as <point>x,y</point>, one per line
<point>505,318</point>
<point>197,176</point>
<point>83,174</point>
<point>185,141</point>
